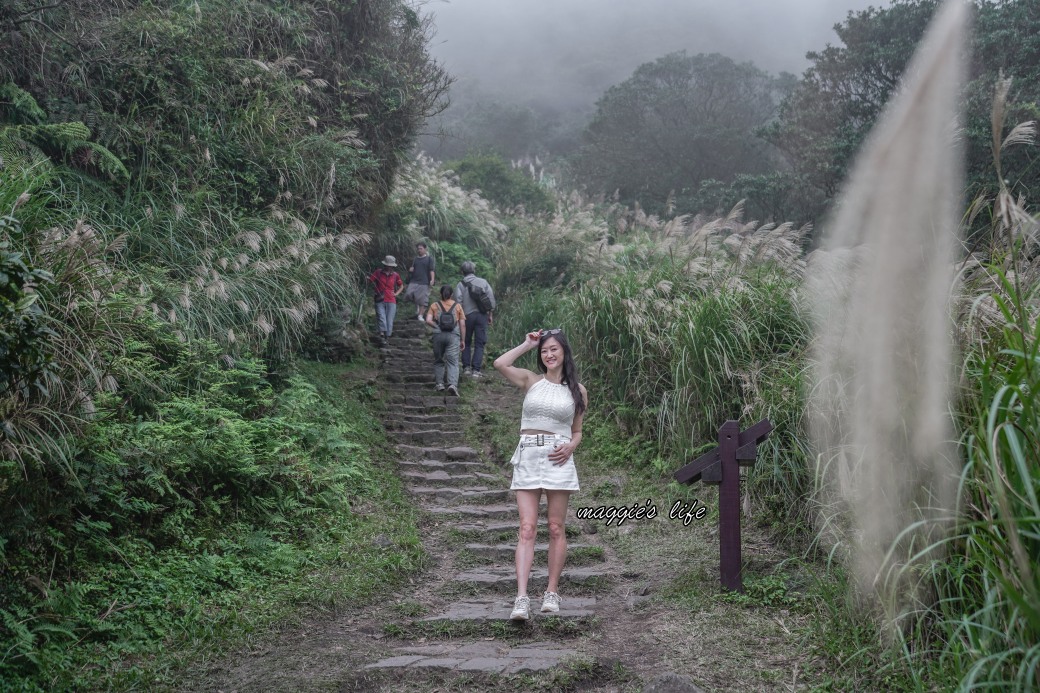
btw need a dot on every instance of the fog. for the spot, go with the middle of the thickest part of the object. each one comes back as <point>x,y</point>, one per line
<point>565,53</point>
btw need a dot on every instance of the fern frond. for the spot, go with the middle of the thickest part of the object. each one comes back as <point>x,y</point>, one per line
<point>19,107</point>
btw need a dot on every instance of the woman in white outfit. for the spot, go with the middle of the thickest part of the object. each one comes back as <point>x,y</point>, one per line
<point>550,430</point>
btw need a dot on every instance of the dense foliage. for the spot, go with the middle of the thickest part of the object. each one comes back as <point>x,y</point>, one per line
<point>188,190</point>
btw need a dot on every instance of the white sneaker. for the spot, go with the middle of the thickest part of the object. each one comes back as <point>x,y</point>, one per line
<point>420,318</point>
<point>440,386</point>
<point>476,374</point>
<point>467,370</point>
<point>521,608</point>
<point>550,602</point>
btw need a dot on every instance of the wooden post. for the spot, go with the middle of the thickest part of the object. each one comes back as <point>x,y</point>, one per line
<point>722,466</point>
<point>729,508</point>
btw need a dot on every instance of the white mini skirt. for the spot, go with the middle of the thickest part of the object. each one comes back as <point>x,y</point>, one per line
<point>532,468</point>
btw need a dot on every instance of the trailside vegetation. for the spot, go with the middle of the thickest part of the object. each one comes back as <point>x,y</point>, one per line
<point>187,191</point>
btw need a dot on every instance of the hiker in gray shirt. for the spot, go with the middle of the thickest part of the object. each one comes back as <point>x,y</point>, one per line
<point>421,279</point>
<point>478,302</point>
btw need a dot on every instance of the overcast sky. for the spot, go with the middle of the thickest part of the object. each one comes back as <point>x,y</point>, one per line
<point>569,51</point>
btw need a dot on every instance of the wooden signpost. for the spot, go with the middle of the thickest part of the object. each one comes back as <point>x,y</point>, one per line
<point>721,466</point>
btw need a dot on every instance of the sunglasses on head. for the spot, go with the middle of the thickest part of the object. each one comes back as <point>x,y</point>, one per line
<point>549,333</point>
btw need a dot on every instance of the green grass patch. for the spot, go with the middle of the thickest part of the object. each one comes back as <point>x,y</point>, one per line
<point>584,555</point>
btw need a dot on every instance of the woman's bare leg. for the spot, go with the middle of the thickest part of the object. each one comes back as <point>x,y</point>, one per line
<point>527,503</point>
<point>557,501</point>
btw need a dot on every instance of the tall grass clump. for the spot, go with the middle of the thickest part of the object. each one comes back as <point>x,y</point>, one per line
<point>984,623</point>
<point>428,203</point>
<point>679,324</point>
<point>991,590</point>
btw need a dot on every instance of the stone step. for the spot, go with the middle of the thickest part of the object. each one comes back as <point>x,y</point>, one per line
<point>505,530</point>
<point>411,349</point>
<point>490,527</point>
<point>504,551</point>
<point>444,478</point>
<point>497,511</point>
<point>423,410</point>
<point>443,422</point>
<point>504,577</point>
<point>399,378</point>
<point>428,401</point>
<point>428,438</point>
<point>499,609</point>
<point>437,465</point>
<point>396,374</point>
<point>486,657</point>
<point>475,494</point>
<point>461,453</point>
<point>413,356</point>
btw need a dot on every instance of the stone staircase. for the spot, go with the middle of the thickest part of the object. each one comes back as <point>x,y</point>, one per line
<point>469,528</point>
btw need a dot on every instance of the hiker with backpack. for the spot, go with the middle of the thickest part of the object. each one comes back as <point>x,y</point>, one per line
<point>478,302</point>
<point>448,321</point>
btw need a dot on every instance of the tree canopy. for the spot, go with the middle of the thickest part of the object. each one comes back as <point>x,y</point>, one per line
<point>823,122</point>
<point>675,122</point>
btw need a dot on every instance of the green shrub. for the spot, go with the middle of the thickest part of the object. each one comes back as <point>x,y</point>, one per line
<point>499,182</point>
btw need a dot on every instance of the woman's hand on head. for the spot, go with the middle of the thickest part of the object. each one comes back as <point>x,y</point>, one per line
<point>533,338</point>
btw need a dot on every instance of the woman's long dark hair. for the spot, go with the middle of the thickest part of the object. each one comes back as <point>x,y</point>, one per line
<point>570,371</point>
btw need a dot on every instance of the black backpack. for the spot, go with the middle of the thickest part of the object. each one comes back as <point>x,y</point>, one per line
<point>446,319</point>
<point>481,296</point>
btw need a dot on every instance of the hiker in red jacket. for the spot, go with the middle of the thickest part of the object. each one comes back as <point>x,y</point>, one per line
<point>388,286</point>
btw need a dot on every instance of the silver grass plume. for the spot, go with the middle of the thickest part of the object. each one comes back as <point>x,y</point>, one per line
<point>880,290</point>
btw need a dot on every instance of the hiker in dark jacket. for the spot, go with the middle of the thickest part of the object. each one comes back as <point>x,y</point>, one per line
<point>478,302</point>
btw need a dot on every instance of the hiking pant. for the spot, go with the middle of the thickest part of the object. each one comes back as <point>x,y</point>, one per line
<point>446,355</point>
<point>385,313</point>
<point>476,334</point>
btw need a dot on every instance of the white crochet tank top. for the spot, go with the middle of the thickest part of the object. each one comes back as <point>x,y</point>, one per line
<point>548,407</point>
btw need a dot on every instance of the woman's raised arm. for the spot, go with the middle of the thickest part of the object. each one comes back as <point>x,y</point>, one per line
<point>521,377</point>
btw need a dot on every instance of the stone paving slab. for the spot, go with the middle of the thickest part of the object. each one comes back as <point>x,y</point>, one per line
<point>440,476</point>
<point>428,438</point>
<point>491,527</point>
<point>439,420</point>
<point>468,495</point>
<point>409,377</point>
<point>508,550</point>
<point>499,511</point>
<point>504,577</point>
<point>498,609</point>
<point>488,657</point>
<point>437,465</point>
<point>416,452</point>
<point>428,401</point>
<point>408,422</point>
<point>444,478</point>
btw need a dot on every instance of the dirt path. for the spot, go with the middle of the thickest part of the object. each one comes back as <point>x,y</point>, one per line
<point>450,631</point>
